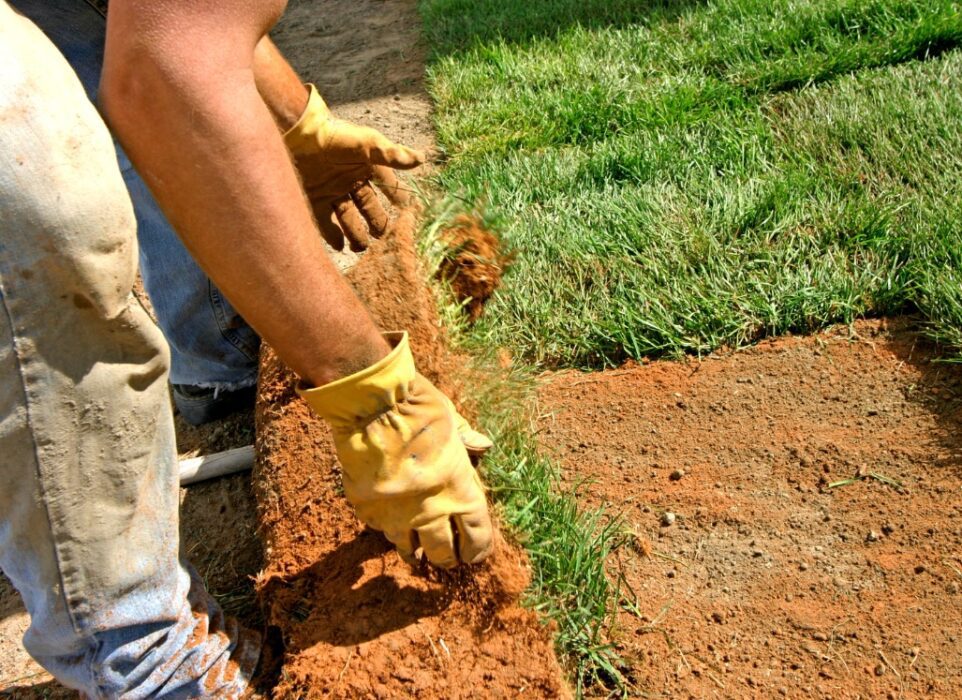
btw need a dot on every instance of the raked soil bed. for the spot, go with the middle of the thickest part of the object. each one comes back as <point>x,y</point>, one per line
<point>795,509</point>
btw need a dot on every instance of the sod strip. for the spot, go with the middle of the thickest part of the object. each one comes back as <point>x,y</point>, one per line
<point>679,176</point>
<point>568,546</point>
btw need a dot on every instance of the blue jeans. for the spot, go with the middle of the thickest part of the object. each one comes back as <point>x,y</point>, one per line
<point>210,344</point>
<point>88,468</point>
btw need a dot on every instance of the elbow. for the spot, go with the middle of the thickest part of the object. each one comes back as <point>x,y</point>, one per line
<point>117,91</point>
<point>124,96</point>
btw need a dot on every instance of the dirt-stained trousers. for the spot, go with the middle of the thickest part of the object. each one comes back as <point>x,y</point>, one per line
<point>88,471</point>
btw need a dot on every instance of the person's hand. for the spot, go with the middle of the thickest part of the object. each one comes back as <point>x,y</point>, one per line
<point>404,465</point>
<point>338,161</point>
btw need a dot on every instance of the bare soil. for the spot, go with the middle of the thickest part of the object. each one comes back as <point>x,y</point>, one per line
<point>367,60</point>
<point>774,579</point>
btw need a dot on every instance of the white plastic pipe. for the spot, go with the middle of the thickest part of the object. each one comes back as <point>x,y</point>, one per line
<point>212,466</point>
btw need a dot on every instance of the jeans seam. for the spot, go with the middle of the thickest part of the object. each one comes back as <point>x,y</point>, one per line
<point>99,6</point>
<point>217,304</point>
<point>18,359</point>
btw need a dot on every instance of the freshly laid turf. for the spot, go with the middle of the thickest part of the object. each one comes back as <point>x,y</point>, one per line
<point>677,176</point>
<point>567,545</point>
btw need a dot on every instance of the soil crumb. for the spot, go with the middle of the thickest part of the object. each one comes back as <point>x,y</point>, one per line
<point>815,545</point>
<point>473,263</point>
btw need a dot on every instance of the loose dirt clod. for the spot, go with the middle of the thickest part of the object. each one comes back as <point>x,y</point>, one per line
<point>473,262</point>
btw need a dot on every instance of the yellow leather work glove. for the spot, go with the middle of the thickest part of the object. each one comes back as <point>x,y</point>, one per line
<point>338,161</point>
<point>404,466</point>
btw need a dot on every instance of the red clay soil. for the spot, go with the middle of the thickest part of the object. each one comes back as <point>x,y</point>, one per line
<point>473,263</point>
<point>355,620</point>
<point>771,581</point>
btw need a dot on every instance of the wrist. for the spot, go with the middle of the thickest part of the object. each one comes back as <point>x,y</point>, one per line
<point>280,87</point>
<point>366,391</point>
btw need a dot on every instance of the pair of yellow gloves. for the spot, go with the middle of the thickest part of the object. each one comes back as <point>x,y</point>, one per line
<point>402,446</point>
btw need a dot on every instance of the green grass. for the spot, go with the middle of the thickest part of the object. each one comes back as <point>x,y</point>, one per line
<point>677,176</point>
<point>568,547</point>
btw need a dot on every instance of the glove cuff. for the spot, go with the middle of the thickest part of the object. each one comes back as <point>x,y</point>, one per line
<point>358,398</point>
<point>309,133</point>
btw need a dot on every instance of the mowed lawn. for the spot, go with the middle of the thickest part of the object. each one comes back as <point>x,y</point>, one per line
<point>680,175</point>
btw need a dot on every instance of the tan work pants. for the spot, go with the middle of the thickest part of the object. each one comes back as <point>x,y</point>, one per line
<point>88,471</point>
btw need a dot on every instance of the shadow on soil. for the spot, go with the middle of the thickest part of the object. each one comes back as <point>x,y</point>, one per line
<point>41,691</point>
<point>343,613</point>
<point>10,602</point>
<point>939,390</point>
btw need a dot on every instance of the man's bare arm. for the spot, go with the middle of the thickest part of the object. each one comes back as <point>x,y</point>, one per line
<point>178,90</point>
<point>280,86</point>
<point>337,160</point>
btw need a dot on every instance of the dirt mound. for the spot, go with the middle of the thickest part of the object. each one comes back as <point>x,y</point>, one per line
<point>355,620</point>
<point>795,564</point>
<point>473,263</point>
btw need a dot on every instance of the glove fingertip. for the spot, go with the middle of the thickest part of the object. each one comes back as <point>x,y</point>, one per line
<point>476,443</point>
<point>407,158</point>
<point>475,537</point>
<point>397,157</point>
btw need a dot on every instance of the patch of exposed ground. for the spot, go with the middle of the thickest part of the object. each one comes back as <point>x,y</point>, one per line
<point>367,59</point>
<point>772,580</point>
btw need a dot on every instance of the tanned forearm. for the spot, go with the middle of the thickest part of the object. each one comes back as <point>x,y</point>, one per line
<point>178,90</point>
<point>280,87</point>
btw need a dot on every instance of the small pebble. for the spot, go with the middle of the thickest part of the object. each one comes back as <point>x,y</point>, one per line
<point>820,637</point>
<point>667,518</point>
<point>920,569</point>
<point>888,529</point>
<point>880,670</point>
<point>803,566</point>
<point>872,536</point>
<point>677,475</point>
<point>671,573</point>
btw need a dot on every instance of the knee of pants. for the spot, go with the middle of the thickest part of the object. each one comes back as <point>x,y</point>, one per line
<point>67,216</point>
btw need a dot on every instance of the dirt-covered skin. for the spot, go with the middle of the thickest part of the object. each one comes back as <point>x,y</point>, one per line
<point>770,583</point>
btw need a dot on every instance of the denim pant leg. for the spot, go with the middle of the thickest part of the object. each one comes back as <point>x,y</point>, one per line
<point>211,345</point>
<point>89,495</point>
